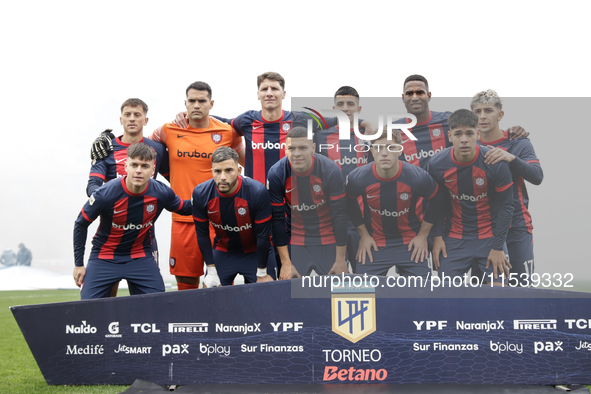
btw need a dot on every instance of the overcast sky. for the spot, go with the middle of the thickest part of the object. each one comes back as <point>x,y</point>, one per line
<point>68,66</point>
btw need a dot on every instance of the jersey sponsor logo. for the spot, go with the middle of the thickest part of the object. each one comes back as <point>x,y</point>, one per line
<point>353,312</point>
<point>242,211</point>
<point>83,328</point>
<point>535,324</point>
<point>243,328</point>
<point>132,226</point>
<point>306,207</point>
<point>317,188</point>
<point>188,327</point>
<point>421,155</point>
<point>86,350</point>
<point>351,160</point>
<point>194,154</point>
<point>268,145</point>
<point>385,212</point>
<point>235,229</point>
<point>133,349</point>
<point>479,181</point>
<point>174,349</point>
<point>404,196</point>
<point>468,198</point>
<point>286,126</point>
<point>216,138</point>
<point>150,208</point>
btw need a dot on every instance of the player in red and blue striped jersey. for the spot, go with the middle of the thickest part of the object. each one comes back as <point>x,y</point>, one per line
<point>478,202</point>
<point>524,166</point>
<point>310,188</point>
<point>122,248</point>
<point>389,224</point>
<point>133,118</point>
<point>240,212</point>
<point>348,154</point>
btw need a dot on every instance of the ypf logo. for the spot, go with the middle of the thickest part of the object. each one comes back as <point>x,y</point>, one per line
<point>353,312</point>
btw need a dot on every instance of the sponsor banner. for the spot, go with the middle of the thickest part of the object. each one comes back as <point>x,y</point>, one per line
<point>259,333</point>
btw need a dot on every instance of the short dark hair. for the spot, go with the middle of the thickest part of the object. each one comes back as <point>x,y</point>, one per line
<point>346,91</point>
<point>462,117</point>
<point>298,132</point>
<point>135,102</point>
<point>224,153</point>
<point>273,76</point>
<point>416,77</point>
<point>199,86</point>
<point>141,151</point>
<point>396,137</point>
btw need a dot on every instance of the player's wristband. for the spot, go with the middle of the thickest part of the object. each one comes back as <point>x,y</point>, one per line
<point>261,272</point>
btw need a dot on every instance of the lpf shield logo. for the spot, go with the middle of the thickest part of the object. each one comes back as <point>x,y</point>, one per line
<point>353,312</point>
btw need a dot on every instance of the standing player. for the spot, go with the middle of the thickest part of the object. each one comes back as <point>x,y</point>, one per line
<point>190,149</point>
<point>133,118</point>
<point>312,188</point>
<point>240,211</point>
<point>480,201</point>
<point>347,154</point>
<point>122,249</point>
<point>524,165</point>
<point>389,224</point>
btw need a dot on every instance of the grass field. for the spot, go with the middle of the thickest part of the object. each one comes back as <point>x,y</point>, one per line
<point>18,370</point>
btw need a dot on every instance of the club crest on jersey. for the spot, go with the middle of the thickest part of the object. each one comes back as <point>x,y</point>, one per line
<point>404,196</point>
<point>172,261</point>
<point>317,189</point>
<point>150,208</point>
<point>242,211</point>
<point>479,181</point>
<point>436,131</point>
<point>285,127</point>
<point>216,137</point>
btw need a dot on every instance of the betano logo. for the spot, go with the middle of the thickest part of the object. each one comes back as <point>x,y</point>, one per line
<point>353,312</point>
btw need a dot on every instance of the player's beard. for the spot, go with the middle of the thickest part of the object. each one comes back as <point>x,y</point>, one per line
<point>230,186</point>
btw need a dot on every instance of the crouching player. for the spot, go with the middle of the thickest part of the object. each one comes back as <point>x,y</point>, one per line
<point>311,187</point>
<point>122,248</point>
<point>240,212</point>
<point>389,224</point>
<point>479,202</point>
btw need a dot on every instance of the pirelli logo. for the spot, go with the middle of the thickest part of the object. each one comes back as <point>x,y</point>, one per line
<point>535,324</point>
<point>188,327</point>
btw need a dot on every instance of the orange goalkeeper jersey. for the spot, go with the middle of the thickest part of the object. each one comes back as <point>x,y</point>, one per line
<point>189,153</point>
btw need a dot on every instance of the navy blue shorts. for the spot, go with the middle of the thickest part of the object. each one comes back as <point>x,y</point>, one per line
<point>388,256</point>
<point>228,265</point>
<point>142,275</point>
<point>319,258</point>
<point>462,255</point>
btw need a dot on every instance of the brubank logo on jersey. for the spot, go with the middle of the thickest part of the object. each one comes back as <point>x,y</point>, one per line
<point>421,155</point>
<point>236,229</point>
<point>351,160</point>
<point>268,145</point>
<point>467,197</point>
<point>385,212</point>
<point>344,125</point>
<point>132,226</point>
<point>195,154</point>
<point>306,207</point>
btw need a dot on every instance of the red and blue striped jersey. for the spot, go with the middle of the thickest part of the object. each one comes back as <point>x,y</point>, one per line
<point>431,138</point>
<point>525,167</point>
<point>315,201</point>
<point>347,154</point>
<point>265,140</point>
<point>113,166</point>
<point>124,232</point>
<point>242,219</point>
<point>389,204</point>
<point>479,194</point>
